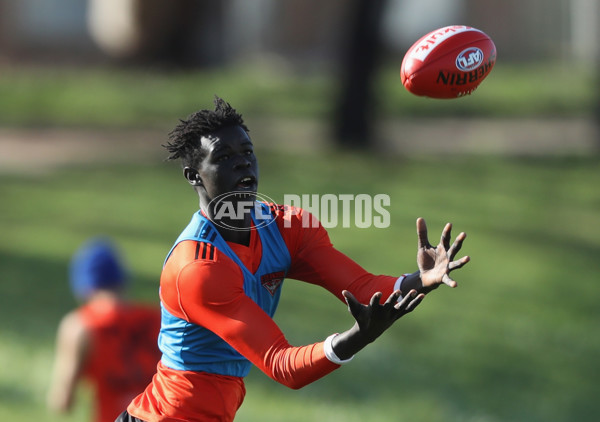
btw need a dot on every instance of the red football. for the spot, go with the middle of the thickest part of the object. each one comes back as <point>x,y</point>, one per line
<point>449,62</point>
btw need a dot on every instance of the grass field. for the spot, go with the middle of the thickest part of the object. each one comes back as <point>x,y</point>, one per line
<point>516,341</point>
<point>125,98</point>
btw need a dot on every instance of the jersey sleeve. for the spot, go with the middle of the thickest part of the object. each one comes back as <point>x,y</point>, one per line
<point>316,261</point>
<point>211,294</point>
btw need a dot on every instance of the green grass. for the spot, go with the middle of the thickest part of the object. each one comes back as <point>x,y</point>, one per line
<point>516,341</point>
<point>117,97</point>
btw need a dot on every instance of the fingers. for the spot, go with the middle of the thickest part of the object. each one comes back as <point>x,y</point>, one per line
<point>414,303</point>
<point>393,299</point>
<point>458,264</point>
<point>375,299</point>
<point>448,281</point>
<point>409,303</point>
<point>446,235</point>
<point>406,300</point>
<point>423,242</point>
<point>457,245</point>
<point>393,308</point>
<point>354,306</point>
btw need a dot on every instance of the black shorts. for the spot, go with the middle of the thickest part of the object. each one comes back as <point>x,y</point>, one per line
<point>126,417</point>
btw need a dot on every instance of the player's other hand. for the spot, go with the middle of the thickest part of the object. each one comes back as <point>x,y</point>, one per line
<point>436,263</point>
<point>376,317</point>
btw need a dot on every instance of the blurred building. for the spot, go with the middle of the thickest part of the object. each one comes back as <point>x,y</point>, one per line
<point>205,32</point>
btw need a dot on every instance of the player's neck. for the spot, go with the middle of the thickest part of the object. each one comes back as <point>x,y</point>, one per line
<point>103,296</point>
<point>241,237</point>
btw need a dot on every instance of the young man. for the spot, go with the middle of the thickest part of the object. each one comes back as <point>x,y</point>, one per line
<point>221,283</point>
<point>107,341</point>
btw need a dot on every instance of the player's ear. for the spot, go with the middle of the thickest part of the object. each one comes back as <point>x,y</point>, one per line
<point>192,176</point>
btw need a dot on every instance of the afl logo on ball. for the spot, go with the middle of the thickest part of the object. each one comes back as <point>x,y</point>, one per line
<point>469,59</point>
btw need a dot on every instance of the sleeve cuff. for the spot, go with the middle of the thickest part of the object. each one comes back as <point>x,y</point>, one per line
<point>330,354</point>
<point>398,285</point>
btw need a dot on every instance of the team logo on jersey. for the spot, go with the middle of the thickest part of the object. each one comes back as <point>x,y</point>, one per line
<point>272,281</point>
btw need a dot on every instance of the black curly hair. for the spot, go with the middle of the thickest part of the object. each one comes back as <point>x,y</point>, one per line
<point>184,139</point>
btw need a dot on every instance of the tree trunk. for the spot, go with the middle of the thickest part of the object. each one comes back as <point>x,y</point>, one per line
<point>353,121</point>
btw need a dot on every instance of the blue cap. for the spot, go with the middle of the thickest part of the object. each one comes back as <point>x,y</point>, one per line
<point>94,266</point>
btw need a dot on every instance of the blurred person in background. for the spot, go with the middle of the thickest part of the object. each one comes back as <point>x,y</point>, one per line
<point>107,341</point>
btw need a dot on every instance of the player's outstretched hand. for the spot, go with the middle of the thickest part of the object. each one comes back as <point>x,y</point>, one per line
<point>436,263</point>
<point>373,319</point>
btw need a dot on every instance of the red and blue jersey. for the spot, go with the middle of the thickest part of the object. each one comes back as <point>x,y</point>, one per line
<point>218,299</point>
<point>192,347</point>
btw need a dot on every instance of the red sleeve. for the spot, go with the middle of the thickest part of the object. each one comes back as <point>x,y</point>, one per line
<point>316,261</point>
<point>211,294</point>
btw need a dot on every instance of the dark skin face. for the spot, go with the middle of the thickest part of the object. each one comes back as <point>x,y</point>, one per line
<point>228,165</point>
